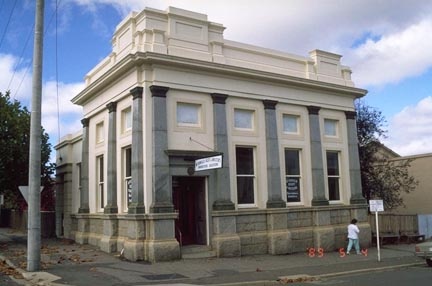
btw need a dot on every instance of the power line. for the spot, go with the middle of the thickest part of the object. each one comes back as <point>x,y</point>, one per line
<point>7,24</point>
<point>56,69</point>
<point>30,63</point>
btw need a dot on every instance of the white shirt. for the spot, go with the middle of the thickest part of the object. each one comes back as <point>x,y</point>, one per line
<point>353,231</point>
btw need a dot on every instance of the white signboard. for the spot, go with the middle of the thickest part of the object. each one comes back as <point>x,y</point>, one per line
<point>376,205</point>
<point>208,163</point>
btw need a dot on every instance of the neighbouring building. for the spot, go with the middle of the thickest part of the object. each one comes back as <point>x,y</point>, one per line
<point>172,91</point>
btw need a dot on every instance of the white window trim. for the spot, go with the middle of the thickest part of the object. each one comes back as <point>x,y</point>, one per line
<point>255,181</point>
<point>337,128</point>
<point>125,178</point>
<point>341,182</point>
<point>301,176</point>
<point>181,127</point>
<point>100,196</point>
<point>100,126</point>
<point>124,128</point>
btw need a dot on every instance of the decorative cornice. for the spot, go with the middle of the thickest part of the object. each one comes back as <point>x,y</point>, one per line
<point>219,98</point>
<point>159,91</point>
<point>269,104</point>
<point>136,92</point>
<point>112,106</point>
<point>313,110</point>
<point>134,60</point>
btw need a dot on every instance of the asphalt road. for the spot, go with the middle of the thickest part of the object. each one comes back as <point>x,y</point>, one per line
<point>416,275</point>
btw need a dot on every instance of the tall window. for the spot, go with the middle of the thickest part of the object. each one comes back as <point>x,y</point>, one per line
<point>79,176</point>
<point>100,177</point>
<point>243,119</point>
<point>333,175</point>
<point>188,114</point>
<point>292,175</point>
<point>127,159</point>
<point>245,175</point>
<point>290,124</point>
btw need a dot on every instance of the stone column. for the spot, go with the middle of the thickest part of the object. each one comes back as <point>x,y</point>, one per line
<point>318,180</point>
<point>84,194</point>
<point>137,197</point>
<point>274,187</point>
<point>222,187</point>
<point>162,195</point>
<point>111,206</point>
<point>354,160</point>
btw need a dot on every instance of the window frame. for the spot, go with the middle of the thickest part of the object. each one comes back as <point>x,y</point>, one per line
<point>125,128</point>
<point>126,178</point>
<point>253,176</point>
<point>337,176</point>
<point>252,119</point>
<point>298,176</point>
<point>298,124</point>
<point>100,183</point>
<point>100,132</point>
<point>199,115</point>
<point>336,127</point>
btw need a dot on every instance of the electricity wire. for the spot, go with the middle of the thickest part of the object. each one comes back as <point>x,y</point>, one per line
<point>7,23</point>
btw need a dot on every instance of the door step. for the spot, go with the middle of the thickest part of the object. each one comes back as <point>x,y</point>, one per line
<point>197,251</point>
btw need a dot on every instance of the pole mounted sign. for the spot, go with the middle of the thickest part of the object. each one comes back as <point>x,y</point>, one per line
<point>208,163</point>
<point>377,206</point>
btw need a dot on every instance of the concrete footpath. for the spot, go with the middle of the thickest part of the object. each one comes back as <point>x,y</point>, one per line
<point>67,263</point>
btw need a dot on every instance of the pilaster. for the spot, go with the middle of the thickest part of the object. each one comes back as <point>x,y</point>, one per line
<point>136,205</point>
<point>84,192</point>
<point>111,206</point>
<point>222,176</point>
<point>318,180</point>
<point>162,195</point>
<point>274,187</point>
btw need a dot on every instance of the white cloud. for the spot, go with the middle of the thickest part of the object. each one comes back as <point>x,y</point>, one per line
<point>18,82</point>
<point>410,130</point>
<point>394,57</point>
<point>55,109</point>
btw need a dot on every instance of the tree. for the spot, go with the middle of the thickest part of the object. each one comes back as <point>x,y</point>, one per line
<point>382,178</point>
<point>14,153</point>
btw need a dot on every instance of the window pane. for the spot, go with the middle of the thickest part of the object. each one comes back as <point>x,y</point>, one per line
<point>293,189</point>
<point>245,190</point>
<point>128,162</point>
<point>244,161</point>
<point>332,164</point>
<point>330,127</point>
<point>243,118</point>
<point>101,168</point>
<point>290,123</point>
<point>187,113</point>
<point>333,185</point>
<point>292,162</point>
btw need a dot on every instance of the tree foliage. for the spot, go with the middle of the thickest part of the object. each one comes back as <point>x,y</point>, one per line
<point>382,177</point>
<point>14,154</point>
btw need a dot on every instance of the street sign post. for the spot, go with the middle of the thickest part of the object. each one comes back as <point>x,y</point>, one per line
<point>377,206</point>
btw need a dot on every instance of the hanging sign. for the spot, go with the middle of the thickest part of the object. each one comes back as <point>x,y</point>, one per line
<point>214,162</point>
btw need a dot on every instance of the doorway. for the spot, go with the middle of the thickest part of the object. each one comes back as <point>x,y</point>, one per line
<point>189,199</point>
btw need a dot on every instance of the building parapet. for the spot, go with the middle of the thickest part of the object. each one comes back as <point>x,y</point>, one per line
<point>187,34</point>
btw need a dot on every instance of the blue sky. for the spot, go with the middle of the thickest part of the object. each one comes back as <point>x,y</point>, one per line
<point>387,44</point>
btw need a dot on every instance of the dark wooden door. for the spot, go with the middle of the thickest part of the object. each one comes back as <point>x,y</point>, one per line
<point>189,201</point>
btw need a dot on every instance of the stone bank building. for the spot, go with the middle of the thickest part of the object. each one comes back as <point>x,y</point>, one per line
<point>174,90</point>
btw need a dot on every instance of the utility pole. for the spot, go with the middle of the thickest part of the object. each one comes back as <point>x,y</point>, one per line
<point>34,218</point>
